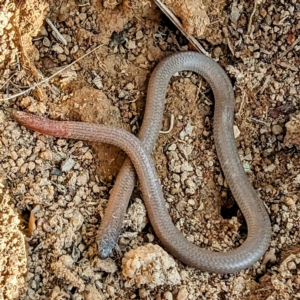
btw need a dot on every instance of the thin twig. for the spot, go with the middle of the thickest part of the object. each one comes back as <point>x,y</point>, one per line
<point>101,64</point>
<point>180,141</point>
<point>84,4</point>
<point>7,81</point>
<point>251,17</point>
<point>260,122</point>
<point>242,103</point>
<point>290,48</point>
<point>198,90</point>
<point>134,100</point>
<point>171,126</point>
<point>230,46</point>
<point>177,23</point>
<point>202,94</point>
<point>38,38</point>
<point>57,33</point>
<point>48,78</point>
<point>18,61</point>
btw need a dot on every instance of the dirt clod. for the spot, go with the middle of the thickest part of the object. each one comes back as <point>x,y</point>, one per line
<point>150,265</point>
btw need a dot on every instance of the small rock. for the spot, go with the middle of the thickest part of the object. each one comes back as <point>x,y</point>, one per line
<point>91,293</point>
<point>107,265</point>
<point>292,136</point>
<point>248,157</point>
<point>57,48</point>
<point>98,82</point>
<point>220,180</point>
<point>139,35</point>
<point>110,290</point>
<point>61,142</point>
<point>289,201</point>
<point>62,57</point>
<point>205,133</point>
<point>2,116</point>
<point>67,37</point>
<point>270,168</point>
<point>277,129</point>
<point>190,191</point>
<point>66,261</point>
<point>122,94</point>
<point>172,147</point>
<point>110,4</point>
<point>75,296</point>
<point>77,220</point>
<point>186,131</point>
<point>246,167</point>
<point>31,293</point>
<point>291,39</point>
<point>46,42</point>
<point>186,167</point>
<point>168,296</point>
<point>291,266</point>
<point>74,49</point>
<point>274,113</point>
<point>175,177</point>
<point>150,237</point>
<point>88,155</point>
<point>256,54</point>
<point>218,52</point>
<point>236,131</point>
<point>96,189</point>
<point>297,179</point>
<point>55,171</point>
<point>34,285</point>
<point>82,16</point>
<point>67,165</point>
<point>83,179</point>
<point>31,166</point>
<point>144,293</point>
<point>191,202</point>
<point>235,14</point>
<point>191,184</point>
<point>129,86</point>
<point>182,294</point>
<point>47,155</point>
<point>43,31</point>
<point>263,12</point>
<point>131,45</point>
<point>78,144</point>
<point>189,129</point>
<point>181,205</point>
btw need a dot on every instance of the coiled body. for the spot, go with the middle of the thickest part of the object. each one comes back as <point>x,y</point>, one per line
<point>138,151</point>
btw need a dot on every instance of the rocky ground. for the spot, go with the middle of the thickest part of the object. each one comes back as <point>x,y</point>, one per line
<point>54,192</point>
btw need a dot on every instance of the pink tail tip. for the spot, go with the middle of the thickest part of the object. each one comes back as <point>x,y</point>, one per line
<point>42,125</point>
